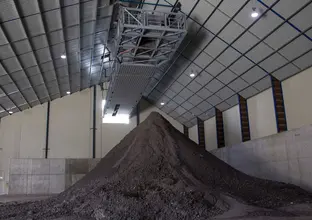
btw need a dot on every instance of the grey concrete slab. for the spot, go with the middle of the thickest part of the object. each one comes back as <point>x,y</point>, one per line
<point>57,166</point>
<point>40,166</point>
<point>285,157</point>
<point>20,166</point>
<point>18,184</point>
<point>57,183</point>
<point>40,184</point>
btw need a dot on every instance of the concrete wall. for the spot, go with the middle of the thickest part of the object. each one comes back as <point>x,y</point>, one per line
<point>232,126</point>
<point>285,157</point>
<point>261,114</point>
<point>211,134</point>
<point>112,134</point>
<point>70,126</point>
<point>297,92</point>
<point>21,135</point>
<point>193,134</point>
<point>46,176</point>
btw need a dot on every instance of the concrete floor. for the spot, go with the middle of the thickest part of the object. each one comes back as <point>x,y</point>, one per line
<point>19,198</point>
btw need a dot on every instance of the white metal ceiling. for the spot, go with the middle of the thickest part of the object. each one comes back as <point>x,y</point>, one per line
<point>33,36</point>
<point>231,53</point>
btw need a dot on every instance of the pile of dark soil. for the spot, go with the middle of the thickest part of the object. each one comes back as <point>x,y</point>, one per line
<point>155,172</point>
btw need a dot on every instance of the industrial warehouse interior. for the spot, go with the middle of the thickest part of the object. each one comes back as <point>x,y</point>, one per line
<point>155,109</point>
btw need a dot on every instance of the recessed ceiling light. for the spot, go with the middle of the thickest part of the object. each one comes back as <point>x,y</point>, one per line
<point>192,75</point>
<point>68,92</point>
<point>63,56</point>
<point>162,103</point>
<point>254,13</point>
<point>10,112</point>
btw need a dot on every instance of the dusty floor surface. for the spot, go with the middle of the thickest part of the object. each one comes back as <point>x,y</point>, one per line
<point>14,198</point>
<point>157,173</point>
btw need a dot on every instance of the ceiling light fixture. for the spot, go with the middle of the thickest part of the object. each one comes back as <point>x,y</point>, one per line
<point>254,13</point>
<point>63,56</point>
<point>162,103</point>
<point>68,92</point>
<point>192,75</point>
<point>10,112</point>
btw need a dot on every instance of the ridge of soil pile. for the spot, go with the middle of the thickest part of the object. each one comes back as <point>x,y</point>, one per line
<point>156,172</point>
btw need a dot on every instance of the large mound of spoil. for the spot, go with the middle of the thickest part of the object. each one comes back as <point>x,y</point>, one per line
<point>155,172</point>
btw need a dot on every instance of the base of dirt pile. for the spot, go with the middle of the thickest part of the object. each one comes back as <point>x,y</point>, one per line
<point>155,172</point>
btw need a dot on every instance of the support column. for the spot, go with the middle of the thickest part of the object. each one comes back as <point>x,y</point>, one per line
<point>278,98</point>
<point>201,133</point>
<point>185,131</point>
<point>220,129</point>
<point>244,119</point>
<point>138,113</point>
<point>94,124</point>
<point>46,151</point>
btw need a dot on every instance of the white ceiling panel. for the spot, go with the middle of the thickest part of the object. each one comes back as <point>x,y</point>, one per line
<point>196,111</point>
<point>202,11</point>
<point>287,7</point>
<point>245,42</point>
<point>226,76</point>
<point>204,106</point>
<point>203,60</point>
<point>187,5</point>
<point>230,7</point>
<point>228,56</point>
<point>241,65</point>
<point>216,22</point>
<point>214,2</point>
<point>203,78</point>
<point>273,62</point>
<point>214,100</point>
<point>214,85</point>
<point>8,11</point>
<point>215,68</point>
<point>244,16</point>
<point>231,32</point>
<point>203,38</point>
<point>263,84</point>
<point>238,85</point>
<point>281,36</point>
<point>296,48</point>
<point>204,93</point>
<point>187,105</point>
<point>34,25</point>
<point>195,100</point>
<point>14,30</point>
<point>249,92</point>
<point>194,86</point>
<point>303,19</point>
<point>178,99</point>
<point>265,25</point>
<point>232,100</point>
<point>285,72</point>
<point>223,106</point>
<point>186,93</point>
<point>259,52</point>
<point>225,93</point>
<point>253,75</point>
<point>304,61</point>
<point>215,47</point>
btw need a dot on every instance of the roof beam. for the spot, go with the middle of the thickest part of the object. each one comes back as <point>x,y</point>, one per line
<point>49,42</point>
<point>65,52</point>
<point>18,59</point>
<point>31,45</point>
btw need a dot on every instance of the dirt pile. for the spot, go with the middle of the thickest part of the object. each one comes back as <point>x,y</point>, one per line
<point>155,172</point>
